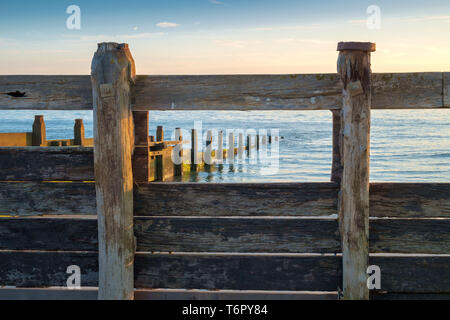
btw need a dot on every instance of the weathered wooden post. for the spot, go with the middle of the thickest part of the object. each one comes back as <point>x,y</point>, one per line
<point>38,136</point>
<point>160,133</point>
<point>78,132</point>
<point>219,155</point>
<point>241,146</point>
<point>230,150</point>
<point>194,150</point>
<point>178,170</point>
<point>354,69</point>
<point>208,158</point>
<point>336,167</point>
<point>113,73</point>
<point>141,159</point>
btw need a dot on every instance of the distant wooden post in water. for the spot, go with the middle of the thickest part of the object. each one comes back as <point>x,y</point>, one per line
<point>194,150</point>
<point>354,70</point>
<point>39,137</point>
<point>219,155</point>
<point>178,170</point>
<point>230,149</point>
<point>113,72</point>
<point>208,158</point>
<point>78,132</point>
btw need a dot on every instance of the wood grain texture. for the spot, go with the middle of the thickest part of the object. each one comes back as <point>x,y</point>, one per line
<point>49,234</point>
<point>113,72</point>
<point>234,235</point>
<point>414,236</point>
<point>410,200</point>
<point>401,200</point>
<point>46,269</point>
<point>46,164</point>
<point>241,272</point>
<point>227,92</point>
<point>237,272</point>
<point>414,274</point>
<point>46,92</point>
<point>354,69</point>
<point>39,198</point>
<point>237,235</point>
<point>236,199</point>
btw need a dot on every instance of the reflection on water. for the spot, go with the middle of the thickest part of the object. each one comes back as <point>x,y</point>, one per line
<point>406,145</point>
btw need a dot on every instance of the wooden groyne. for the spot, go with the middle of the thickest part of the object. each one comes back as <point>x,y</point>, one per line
<point>85,206</point>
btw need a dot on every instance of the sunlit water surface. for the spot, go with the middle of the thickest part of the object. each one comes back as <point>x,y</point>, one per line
<point>406,145</point>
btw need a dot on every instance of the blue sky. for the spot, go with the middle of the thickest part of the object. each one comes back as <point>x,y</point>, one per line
<point>226,36</point>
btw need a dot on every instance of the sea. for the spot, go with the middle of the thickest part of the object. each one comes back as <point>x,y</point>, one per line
<point>406,145</point>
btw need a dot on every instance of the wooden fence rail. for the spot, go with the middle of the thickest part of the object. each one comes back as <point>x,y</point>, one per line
<point>230,92</point>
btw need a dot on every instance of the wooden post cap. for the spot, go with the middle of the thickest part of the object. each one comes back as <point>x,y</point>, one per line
<point>358,46</point>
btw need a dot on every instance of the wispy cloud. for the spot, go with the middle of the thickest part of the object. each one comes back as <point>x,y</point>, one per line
<point>293,27</point>
<point>418,19</point>
<point>167,25</point>
<point>311,41</point>
<point>118,38</point>
<point>236,43</point>
<point>216,2</point>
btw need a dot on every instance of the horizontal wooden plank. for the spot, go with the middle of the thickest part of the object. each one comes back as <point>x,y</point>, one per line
<point>409,296</point>
<point>236,199</point>
<point>410,200</point>
<point>163,294</point>
<point>404,200</point>
<point>237,235</point>
<point>430,236</point>
<point>225,92</point>
<point>52,234</point>
<point>414,274</point>
<point>238,272</point>
<point>46,92</point>
<point>46,269</point>
<point>45,198</point>
<point>428,274</point>
<point>46,164</point>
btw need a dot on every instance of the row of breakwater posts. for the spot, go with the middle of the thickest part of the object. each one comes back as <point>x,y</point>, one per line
<point>237,241</point>
<point>166,159</point>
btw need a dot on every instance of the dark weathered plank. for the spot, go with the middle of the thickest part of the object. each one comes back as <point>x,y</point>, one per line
<point>226,92</point>
<point>236,199</point>
<point>429,236</point>
<point>39,198</point>
<point>409,296</point>
<point>65,234</point>
<point>163,294</point>
<point>234,272</point>
<point>404,200</point>
<point>269,235</point>
<point>46,164</point>
<point>410,200</point>
<point>46,269</point>
<point>237,235</point>
<point>425,274</point>
<point>238,272</point>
